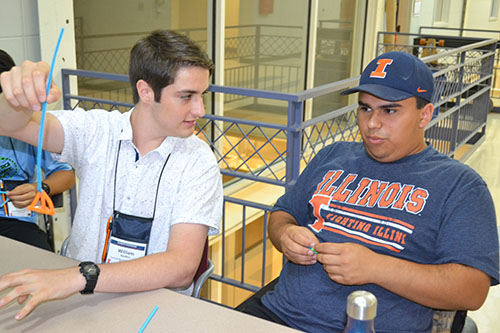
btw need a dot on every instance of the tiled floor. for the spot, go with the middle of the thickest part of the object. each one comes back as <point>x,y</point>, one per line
<point>486,161</point>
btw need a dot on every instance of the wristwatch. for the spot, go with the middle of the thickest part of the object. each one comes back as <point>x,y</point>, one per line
<point>91,272</point>
<point>46,188</point>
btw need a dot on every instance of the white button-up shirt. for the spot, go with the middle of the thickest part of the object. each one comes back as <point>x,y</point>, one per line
<point>190,189</point>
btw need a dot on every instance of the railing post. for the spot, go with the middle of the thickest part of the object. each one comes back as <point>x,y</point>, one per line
<point>454,126</point>
<point>293,143</point>
<point>256,62</point>
<point>65,90</point>
<point>487,68</point>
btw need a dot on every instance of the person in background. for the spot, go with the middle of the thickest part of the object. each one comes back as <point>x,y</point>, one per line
<point>390,215</point>
<point>150,191</point>
<point>17,168</point>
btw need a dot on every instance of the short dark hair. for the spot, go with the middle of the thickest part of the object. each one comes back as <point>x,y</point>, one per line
<point>157,57</point>
<point>421,102</point>
<point>6,63</point>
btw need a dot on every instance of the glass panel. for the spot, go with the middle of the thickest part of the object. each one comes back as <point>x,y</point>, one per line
<point>441,11</point>
<point>494,8</point>
<point>104,38</point>
<point>265,48</point>
<point>338,50</point>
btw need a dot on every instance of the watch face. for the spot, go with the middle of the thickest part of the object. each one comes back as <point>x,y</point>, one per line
<point>90,269</point>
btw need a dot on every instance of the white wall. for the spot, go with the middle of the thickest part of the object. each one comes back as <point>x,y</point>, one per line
<point>20,35</point>
<point>30,30</point>
<point>478,17</point>
<point>52,16</point>
<point>426,16</point>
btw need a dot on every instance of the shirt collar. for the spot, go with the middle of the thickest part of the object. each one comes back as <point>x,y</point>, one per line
<point>126,127</point>
<point>126,134</point>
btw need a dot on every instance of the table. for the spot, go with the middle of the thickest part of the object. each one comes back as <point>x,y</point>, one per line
<point>116,312</point>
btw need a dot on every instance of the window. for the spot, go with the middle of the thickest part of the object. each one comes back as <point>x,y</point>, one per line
<point>494,9</point>
<point>441,11</point>
<point>417,5</point>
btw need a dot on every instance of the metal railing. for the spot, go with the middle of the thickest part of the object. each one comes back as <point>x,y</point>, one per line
<point>235,279</point>
<point>462,82</point>
<point>261,56</point>
<point>251,152</point>
<point>482,33</point>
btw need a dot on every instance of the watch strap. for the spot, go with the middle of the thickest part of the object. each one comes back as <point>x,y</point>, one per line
<point>46,188</point>
<point>91,272</point>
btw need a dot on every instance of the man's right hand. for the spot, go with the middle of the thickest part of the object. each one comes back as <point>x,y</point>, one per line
<point>292,240</point>
<point>296,243</point>
<point>24,87</point>
<point>38,286</point>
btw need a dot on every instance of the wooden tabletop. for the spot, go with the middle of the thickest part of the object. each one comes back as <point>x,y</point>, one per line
<point>116,312</point>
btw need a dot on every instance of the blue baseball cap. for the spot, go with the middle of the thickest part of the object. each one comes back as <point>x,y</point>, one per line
<point>394,76</point>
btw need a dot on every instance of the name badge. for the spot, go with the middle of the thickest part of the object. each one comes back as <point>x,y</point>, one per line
<point>9,185</point>
<point>17,212</point>
<point>123,250</point>
<point>127,237</point>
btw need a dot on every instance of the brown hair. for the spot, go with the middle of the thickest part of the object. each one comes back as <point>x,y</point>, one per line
<point>157,57</point>
<point>6,63</point>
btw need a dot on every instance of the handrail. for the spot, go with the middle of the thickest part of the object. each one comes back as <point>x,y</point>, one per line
<point>456,29</point>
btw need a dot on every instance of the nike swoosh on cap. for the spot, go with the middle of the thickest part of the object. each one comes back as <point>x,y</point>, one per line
<point>420,90</point>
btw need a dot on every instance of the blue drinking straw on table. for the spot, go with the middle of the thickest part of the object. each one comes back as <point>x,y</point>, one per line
<point>149,319</point>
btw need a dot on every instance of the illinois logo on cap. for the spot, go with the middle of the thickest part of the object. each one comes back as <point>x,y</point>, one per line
<point>394,76</point>
<point>380,72</point>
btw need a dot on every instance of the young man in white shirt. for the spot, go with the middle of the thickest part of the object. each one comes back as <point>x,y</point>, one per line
<point>146,183</point>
